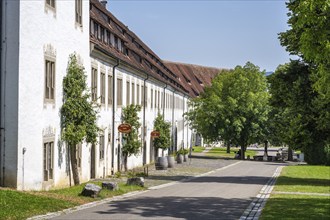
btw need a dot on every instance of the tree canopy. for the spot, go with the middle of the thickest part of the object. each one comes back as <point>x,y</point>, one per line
<point>132,144</point>
<point>163,141</point>
<point>234,108</point>
<point>78,113</point>
<point>309,38</point>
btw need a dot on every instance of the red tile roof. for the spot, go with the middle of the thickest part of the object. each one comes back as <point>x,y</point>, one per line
<point>195,77</point>
<point>185,78</point>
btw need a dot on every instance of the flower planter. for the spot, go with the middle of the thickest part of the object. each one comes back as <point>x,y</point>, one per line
<point>161,163</point>
<point>185,157</point>
<point>171,161</point>
<point>179,158</point>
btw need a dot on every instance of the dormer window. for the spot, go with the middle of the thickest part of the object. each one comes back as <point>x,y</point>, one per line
<point>126,51</point>
<point>96,26</point>
<point>116,42</point>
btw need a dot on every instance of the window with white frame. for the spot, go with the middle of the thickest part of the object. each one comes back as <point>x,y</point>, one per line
<point>127,93</point>
<point>138,94</point>
<point>152,99</point>
<point>133,93</point>
<point>102,88</point>
<point>110,86</point>
<point>94,84</point>
<point>119,92</point>
<point>50,4</point>
<point>49,80</point>
<point>101,147</point>
<point>146,95</point>
<point>78,12</point>
<point>142,95</point>
<point>48,157</point>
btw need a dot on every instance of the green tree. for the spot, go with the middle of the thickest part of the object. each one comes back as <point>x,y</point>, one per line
<point>293,114</point>
<point>78,114</point>
<point>163,127</point>
<point>132,144</point>
<point>234,108</point>
<point>309,38</point>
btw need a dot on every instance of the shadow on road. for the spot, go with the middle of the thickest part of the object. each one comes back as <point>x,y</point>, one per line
<point>259,180</point>
<point>178,207</point>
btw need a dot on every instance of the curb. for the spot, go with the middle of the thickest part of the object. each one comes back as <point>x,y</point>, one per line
<point>253,211</point>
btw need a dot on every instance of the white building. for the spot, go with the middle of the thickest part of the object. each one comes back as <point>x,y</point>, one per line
<point>37,38</point>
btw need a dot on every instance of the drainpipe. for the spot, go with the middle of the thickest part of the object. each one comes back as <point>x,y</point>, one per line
<point>3,50</point>
<point>144,122</point>
<point>163,101</point>
<point>113,116</point>
<point>1,14</point>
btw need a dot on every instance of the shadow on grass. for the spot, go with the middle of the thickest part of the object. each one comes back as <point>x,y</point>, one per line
<point>176,207</point>
<point>296,207</point>
<point>284,180</point>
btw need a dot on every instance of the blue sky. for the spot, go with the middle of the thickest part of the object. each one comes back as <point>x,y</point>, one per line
<point>215,33</point>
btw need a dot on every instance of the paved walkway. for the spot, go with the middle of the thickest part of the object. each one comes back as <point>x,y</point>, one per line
<point>221,194</point>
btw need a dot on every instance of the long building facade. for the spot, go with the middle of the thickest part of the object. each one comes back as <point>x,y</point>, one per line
<point>37,39</point>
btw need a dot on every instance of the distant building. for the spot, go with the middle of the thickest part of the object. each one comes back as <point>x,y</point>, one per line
<point>36,41</point>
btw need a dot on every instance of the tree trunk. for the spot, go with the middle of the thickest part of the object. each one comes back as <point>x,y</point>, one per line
<point>228,148</point>
<point>290,154</point>
<point>266,148</point>
<point>242,153</point>
<point>125,162</point>
<point>74,166</point>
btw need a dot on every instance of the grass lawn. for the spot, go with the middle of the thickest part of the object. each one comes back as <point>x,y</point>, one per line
<point>198,149</point>
<point>305,179</point>
<point>281,206</point>
<point>222,152</point>
<point>21,205</point>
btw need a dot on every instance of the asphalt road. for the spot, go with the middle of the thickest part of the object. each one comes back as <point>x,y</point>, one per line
<point>223,194</point>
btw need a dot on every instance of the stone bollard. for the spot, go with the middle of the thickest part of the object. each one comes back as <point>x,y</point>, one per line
<point>91,190</point>
<point>136,181</point>
<point>110,186</point>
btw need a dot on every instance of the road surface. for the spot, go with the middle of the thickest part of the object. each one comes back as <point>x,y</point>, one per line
<point>223,194</point>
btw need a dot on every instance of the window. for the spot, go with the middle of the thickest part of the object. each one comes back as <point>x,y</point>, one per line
<point>78,155</point>
<point>152,98</point>
<point>49,80</point>
<point>142,95</point>
<point>96,27</point>
<point>138,94</point>
<point>116,42</point>
<point>133,93</point>
<point>79,12</point>
<point>110,86</point>
<point>48,160</point>
<point>119,92</point>
<point>102,34</point>
<point>102,88</point>
<point>50,3</point>
<point>94,84</point>
<point>127,93</point>
<point>101,147</point>
<point>146,95</point>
